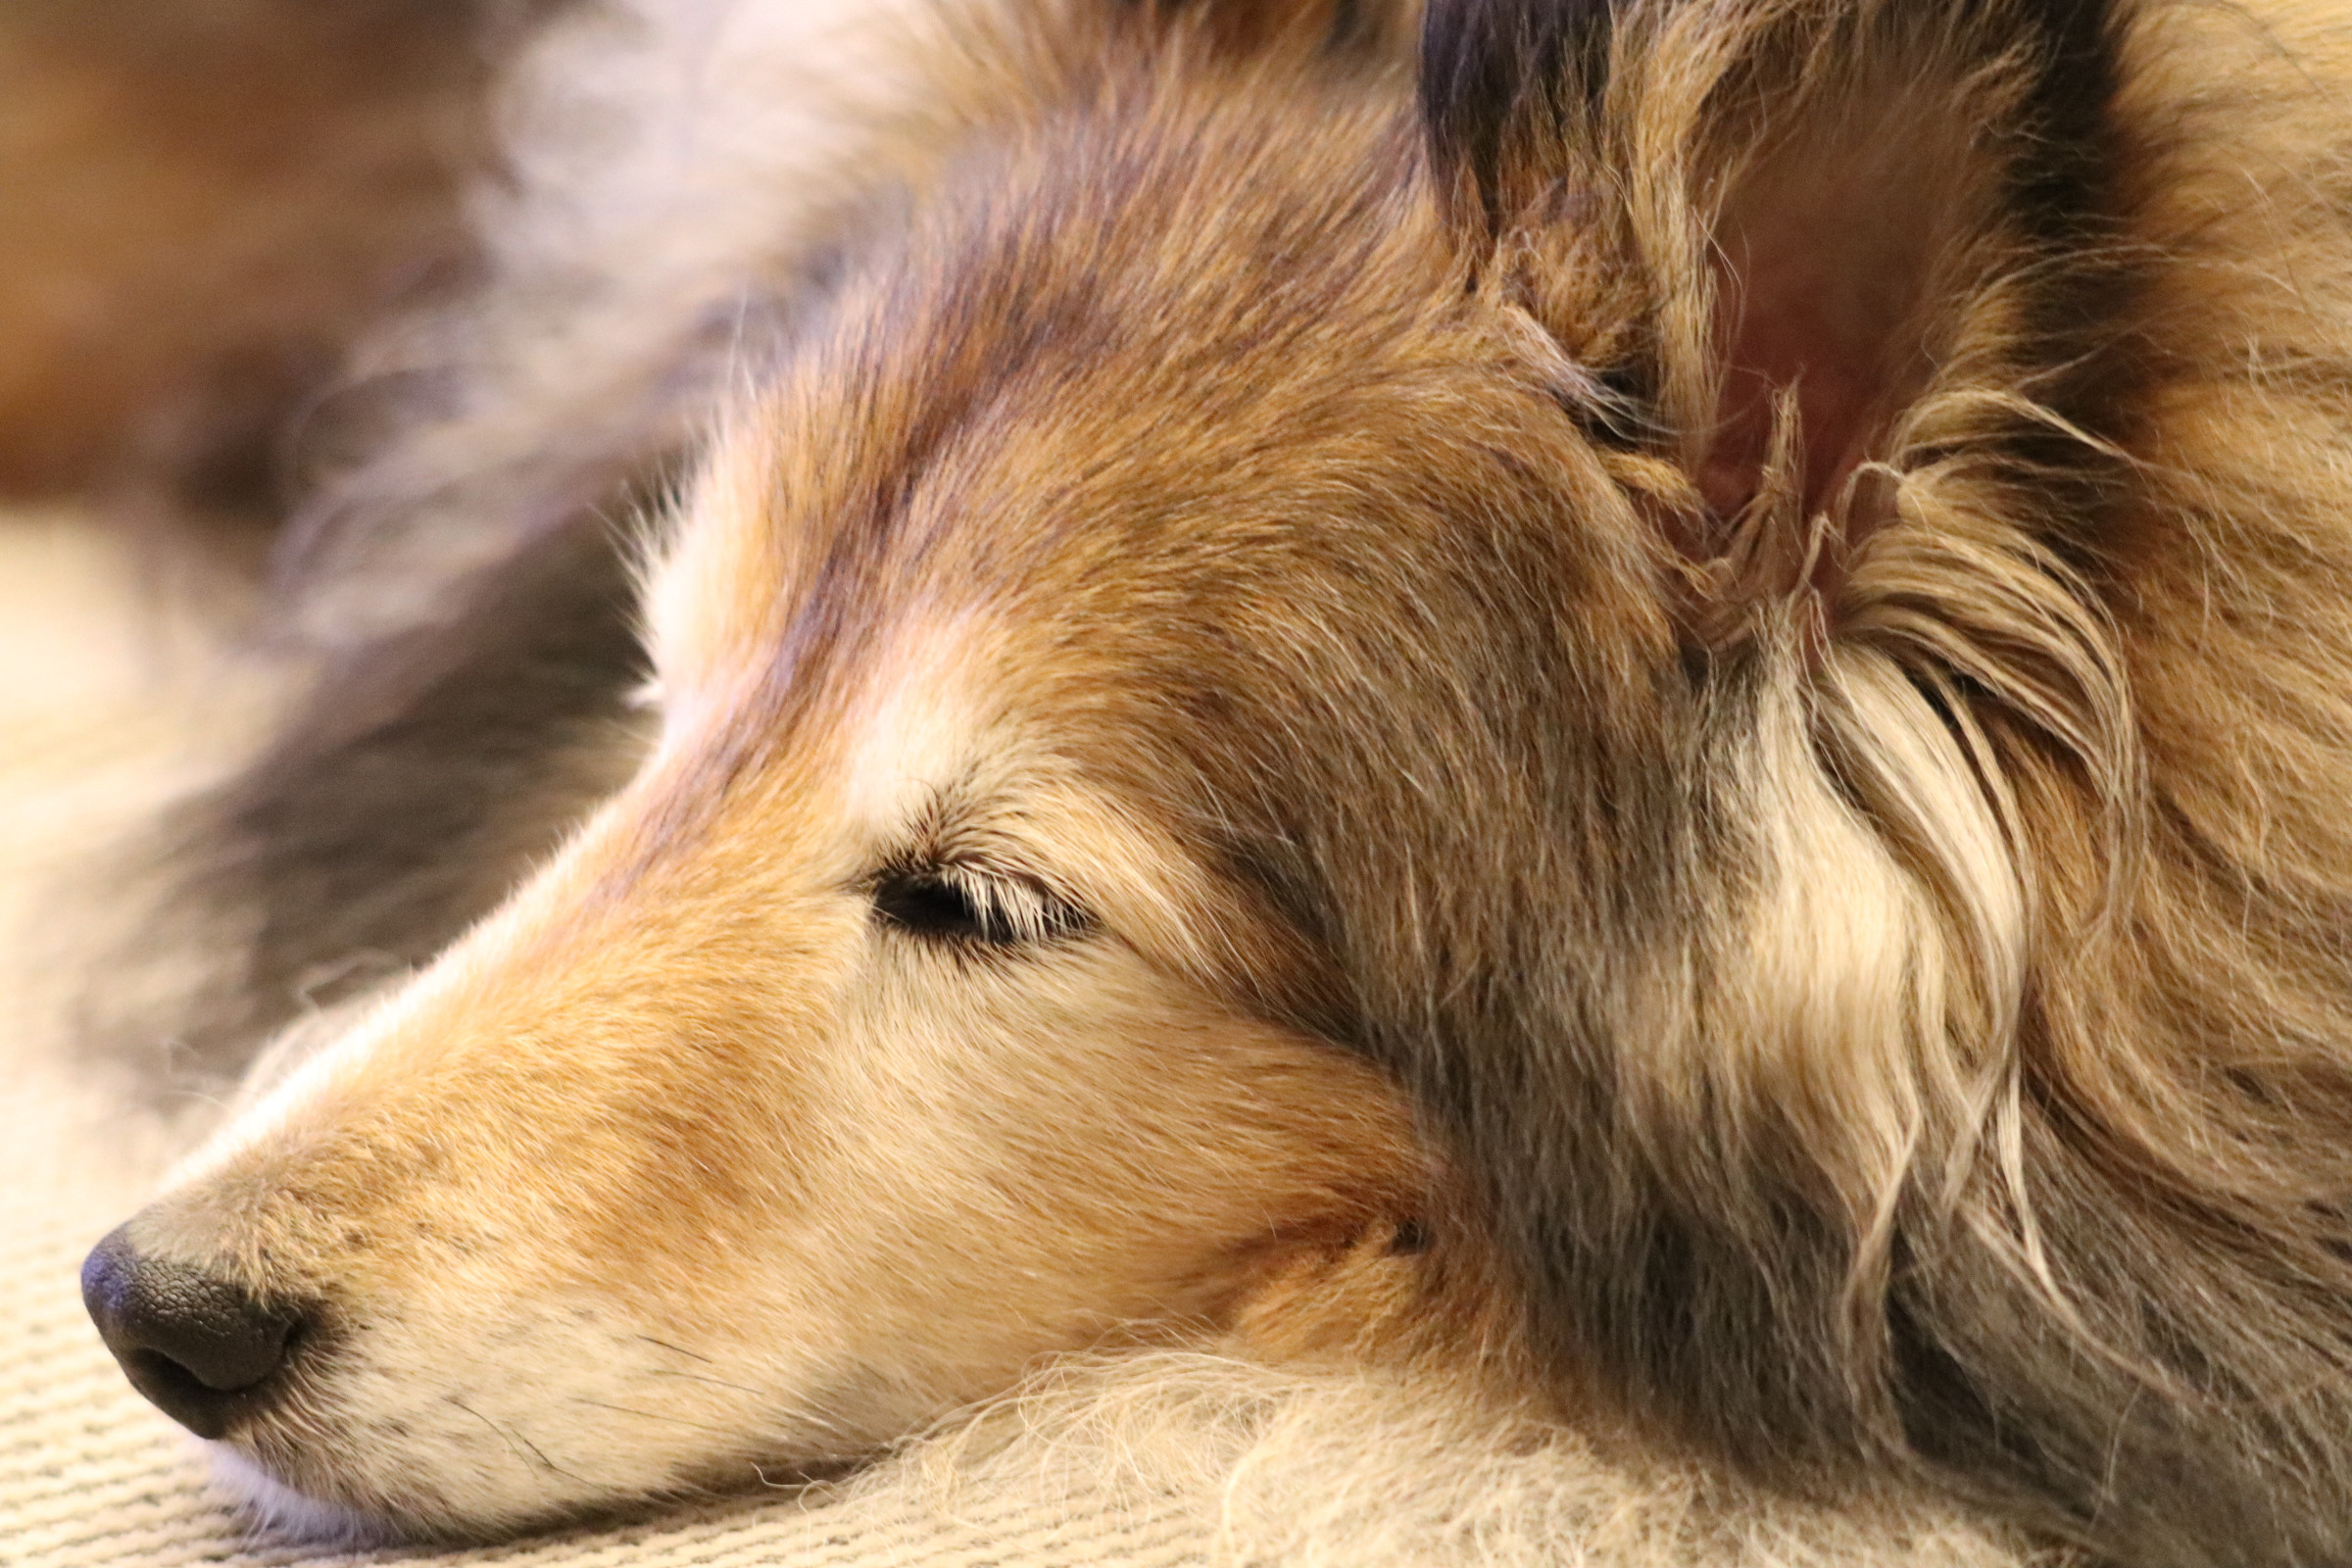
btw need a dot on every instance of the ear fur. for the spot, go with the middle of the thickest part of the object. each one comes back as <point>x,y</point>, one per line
<point>1798,264</point>
<point>1756,226</point>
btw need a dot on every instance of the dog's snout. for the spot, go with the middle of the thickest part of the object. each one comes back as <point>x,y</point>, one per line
<point>202,1348</point>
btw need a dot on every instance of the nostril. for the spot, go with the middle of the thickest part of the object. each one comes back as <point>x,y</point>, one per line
<point>197,1344</point>
<point>165,1381</point>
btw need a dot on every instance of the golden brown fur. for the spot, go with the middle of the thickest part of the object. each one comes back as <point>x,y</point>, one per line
<point>1660,737</point>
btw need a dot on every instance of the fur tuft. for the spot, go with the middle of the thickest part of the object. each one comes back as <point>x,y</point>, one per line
<point>1326,1467</point>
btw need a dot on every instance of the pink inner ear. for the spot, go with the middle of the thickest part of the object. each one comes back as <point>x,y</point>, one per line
<point>1824,260</point>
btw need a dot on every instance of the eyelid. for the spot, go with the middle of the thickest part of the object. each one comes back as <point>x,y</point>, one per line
<point>950,900</point>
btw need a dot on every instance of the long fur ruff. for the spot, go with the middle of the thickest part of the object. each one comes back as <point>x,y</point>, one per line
<point>1321,1467</point>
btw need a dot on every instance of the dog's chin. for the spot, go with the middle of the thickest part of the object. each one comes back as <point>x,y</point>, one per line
<point>320,1511</point>
<point>327,1510</point>
<point>274,1507</point>
<point>277,1508</point>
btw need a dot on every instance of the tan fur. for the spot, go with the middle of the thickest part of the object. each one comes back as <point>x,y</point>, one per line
<point>985,1097</point>
<point>1773,787</point>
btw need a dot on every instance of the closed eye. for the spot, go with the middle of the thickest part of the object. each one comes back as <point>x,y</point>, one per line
<point>962,905</point>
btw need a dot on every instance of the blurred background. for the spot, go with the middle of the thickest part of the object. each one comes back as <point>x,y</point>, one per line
<point>201,203</point>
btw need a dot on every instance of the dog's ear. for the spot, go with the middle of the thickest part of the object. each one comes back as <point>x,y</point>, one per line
<point>1752,230</point>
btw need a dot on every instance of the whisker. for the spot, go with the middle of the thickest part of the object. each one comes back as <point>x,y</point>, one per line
<point>679,1350</point>
<point>511,1436</point>
<point>697,1377</point>
<point>648,1415</point>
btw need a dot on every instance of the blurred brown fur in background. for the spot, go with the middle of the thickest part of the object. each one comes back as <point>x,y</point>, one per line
<point>206,200</point>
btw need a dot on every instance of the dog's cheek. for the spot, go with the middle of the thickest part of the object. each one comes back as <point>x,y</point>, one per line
<point>1384,1295</point>
<point>1328,1299</point>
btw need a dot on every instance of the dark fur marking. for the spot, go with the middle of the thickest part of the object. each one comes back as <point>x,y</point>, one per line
<point>1493,71</point>
<point>421,778</point>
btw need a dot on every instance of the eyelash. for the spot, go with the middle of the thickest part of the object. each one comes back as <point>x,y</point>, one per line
<point>951,904</point>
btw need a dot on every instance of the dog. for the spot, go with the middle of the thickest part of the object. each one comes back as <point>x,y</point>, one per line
<point>1636,707</point>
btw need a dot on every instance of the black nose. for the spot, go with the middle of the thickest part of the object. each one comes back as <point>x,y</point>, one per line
<point>200,1347</point>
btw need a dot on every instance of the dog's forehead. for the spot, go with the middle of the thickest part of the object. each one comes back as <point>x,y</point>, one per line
<point>1102,390</point>
<point>1199,428</point>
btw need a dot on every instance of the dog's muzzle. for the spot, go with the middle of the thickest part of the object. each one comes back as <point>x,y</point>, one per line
<point>201,1348</point>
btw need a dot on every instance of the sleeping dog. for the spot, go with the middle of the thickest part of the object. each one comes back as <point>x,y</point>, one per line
<point>1643,707</point>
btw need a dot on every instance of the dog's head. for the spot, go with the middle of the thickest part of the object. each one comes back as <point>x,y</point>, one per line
<point>1297,714</point>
